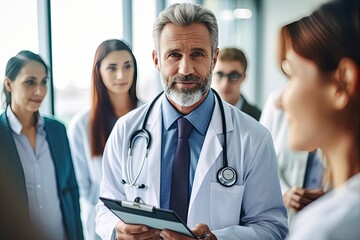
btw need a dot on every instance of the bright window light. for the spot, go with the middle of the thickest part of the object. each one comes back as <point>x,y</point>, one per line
<point>242,13</point>
<point>227,15</point>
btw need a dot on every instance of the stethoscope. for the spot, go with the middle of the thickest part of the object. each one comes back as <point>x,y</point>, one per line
<point>226,175</point>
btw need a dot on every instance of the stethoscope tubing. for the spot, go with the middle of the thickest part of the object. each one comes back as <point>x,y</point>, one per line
<point>144,133</point>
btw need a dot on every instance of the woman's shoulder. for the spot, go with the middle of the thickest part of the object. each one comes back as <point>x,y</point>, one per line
<point>81,117</point>
<point>51,122</point>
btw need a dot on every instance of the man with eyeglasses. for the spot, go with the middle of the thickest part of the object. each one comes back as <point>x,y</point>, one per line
<point>228,75</point>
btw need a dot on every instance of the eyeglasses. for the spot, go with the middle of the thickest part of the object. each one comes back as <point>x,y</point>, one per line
<point>232,77</point>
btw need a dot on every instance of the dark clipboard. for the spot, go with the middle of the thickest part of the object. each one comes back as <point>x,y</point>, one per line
<point>138,213</point>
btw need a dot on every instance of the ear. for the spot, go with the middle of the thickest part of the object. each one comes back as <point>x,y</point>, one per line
<point>156,60</point>
<point>216,54</point>
<point>7,84</point>
<point>347,82</point>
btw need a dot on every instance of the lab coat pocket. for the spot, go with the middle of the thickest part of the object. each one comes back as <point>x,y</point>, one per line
<point>225,205</point>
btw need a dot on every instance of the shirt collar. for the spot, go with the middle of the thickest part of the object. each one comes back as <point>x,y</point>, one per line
<point>240,102</point>
<point>16,125</point>
<point>199,118</point>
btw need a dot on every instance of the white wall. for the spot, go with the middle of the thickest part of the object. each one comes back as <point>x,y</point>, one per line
<point>276,14</point>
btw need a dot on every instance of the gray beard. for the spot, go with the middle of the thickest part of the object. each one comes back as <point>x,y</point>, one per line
<point>186,97</point>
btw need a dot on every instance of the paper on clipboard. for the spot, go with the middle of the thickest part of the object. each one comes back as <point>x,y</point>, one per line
<point>138,213</point>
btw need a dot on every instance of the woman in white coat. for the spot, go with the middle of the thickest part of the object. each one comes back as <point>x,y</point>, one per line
<point>114,77</point>
<point>320,55</point>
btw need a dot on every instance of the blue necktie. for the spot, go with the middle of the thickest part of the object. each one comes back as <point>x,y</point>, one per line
<point>179,197</point>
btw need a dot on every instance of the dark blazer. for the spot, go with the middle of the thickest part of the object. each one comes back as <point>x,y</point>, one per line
<point>249,109</point>
<point>64,171</point>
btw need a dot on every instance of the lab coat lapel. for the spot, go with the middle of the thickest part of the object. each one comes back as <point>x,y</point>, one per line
<point>210,151</point>
<point>153,125</point>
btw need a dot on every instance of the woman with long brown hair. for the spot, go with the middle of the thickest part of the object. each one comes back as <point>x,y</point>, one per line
<point>114,77</point>
<point>321,57</point>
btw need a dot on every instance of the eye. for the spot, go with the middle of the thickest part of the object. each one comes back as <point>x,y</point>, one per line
<point>175,55</point>
<point>44,82</point>
<point>30,82</point>
<point>127,66</point>
<point>197,54</point>
<point>219,75</point>
<point>234,76</point>
<point>111,68</point>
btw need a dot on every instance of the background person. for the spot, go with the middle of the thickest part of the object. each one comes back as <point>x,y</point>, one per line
<point>36,151</point>
<point>114,77</point>
<point>186,38</point>
<point>301,173</point>
<point>320,54</point>
<point>228,75</point>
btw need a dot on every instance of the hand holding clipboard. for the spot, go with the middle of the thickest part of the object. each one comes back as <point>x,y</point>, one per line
<point>143,214</point>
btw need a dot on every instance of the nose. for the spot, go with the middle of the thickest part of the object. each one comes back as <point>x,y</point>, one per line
<point>40,90</point>
<point>186,66</point>
<point>119,74</point>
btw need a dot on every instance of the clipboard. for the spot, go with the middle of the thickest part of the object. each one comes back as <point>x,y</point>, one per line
<point>139,213</point>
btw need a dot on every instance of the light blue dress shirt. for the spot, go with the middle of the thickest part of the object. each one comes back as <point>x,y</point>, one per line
<point>239,103</point>
<point>200,119</point>
<point>39,171</point>
<point>314,171</point>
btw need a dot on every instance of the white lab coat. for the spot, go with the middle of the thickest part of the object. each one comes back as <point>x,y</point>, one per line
<point>291,163</point>
<point>334,216</point>
<point>87,170</point>
<point>255,201</point>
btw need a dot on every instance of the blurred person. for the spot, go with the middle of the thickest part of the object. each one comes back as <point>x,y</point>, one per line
<point>228,75</point>
<point>321,57</point>
<point>248,206</point>
<point>13,212</point>
<point>114,76</point>
<point>300,172</point>
<point>36,151</point>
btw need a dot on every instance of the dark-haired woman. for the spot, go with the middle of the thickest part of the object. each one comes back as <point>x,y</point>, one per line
<point>321,57</point>
<point>35,152</point>
<point>114,76</point>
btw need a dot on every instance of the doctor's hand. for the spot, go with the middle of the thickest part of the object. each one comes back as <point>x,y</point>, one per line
<point>202,231</point>
<point>298,198</point>
<point>131,231</point>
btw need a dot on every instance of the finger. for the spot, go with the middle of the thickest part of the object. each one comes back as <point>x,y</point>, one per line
<point>171,235</point>
<point>313,193</point>
<point>132,228</point>
<point>295,205</point>
<point>295,197</point>
<point>200,229</point>
<point>152,234</point>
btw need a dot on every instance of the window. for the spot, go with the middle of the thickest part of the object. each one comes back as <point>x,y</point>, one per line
<point>78,27</point>
<point>144,14</point>
<point>19,31</point>
<point>237,28</point>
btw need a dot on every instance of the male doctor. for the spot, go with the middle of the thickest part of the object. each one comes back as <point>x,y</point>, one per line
<point>186,39</point>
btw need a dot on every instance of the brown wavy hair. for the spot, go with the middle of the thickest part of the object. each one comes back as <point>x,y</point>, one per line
<point>102,109</point>
<point>329,34</point>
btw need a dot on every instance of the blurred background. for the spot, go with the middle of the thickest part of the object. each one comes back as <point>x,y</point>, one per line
<point>66,33</point>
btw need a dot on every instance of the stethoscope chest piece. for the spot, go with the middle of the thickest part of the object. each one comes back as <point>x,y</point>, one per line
<point>227,176</point>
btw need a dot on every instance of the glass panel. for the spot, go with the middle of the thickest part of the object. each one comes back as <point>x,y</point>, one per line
<point>78,27</point>
<point>148,77</point>
<point>237,28</point>
<point>18,30</point>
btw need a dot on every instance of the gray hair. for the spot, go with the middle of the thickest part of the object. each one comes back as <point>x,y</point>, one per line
<point>185,14</point>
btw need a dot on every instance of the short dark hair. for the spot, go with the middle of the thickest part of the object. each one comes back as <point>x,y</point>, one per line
<point>233,54</point>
